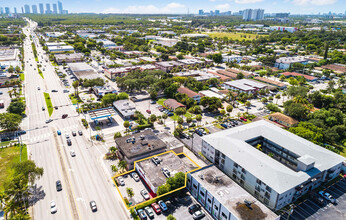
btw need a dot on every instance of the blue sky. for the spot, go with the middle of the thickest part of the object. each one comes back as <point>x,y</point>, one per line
<point>182,6</point>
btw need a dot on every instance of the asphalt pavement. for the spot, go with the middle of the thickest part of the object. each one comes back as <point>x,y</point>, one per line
<point>82,176</point>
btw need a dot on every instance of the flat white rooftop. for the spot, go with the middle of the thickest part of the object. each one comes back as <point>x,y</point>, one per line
<point>232,143</point>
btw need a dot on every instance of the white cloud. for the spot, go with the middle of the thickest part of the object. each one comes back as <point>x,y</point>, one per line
<point>313,2</point>
<point>111,10</point>
<point>223,6</point>
<point>148,9</point>
<point>247,1</point>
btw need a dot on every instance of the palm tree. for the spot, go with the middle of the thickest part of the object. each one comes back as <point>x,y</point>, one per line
<point>122,164</point>
<point>164,116</point>
<point>283,96</point>
<point>300,99</point>
<point>75,85</point>
<point>113,150</point>
<point>230,96</point>
<point>130,192</point>
<point>114,168</point>
<point>248,104</point>
<point>277,98</point>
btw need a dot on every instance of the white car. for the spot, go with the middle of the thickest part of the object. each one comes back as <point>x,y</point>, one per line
<point>53,208</point>
<point>135,176</point>
<point>121,181</point>
<point>73,154</point>
<point>145,194</point>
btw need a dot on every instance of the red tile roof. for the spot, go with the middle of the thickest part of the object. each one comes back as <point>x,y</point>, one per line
<point>188,92</point>
<point>172,103</point>
<point>299,74</point>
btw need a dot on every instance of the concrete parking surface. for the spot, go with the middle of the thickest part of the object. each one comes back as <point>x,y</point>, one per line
<point>308,209</point>
<point>6,97</point>
<point>136,186</point>
<point>178,207</point>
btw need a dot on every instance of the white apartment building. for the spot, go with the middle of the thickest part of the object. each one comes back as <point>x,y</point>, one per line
<point>272,164</point>
<point>285,62</point>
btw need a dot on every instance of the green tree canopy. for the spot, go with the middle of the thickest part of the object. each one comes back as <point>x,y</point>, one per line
<point>10,121</point>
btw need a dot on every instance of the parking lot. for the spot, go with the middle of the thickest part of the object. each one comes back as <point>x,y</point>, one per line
<point>178,207</point>
<point>136,186</point>
<point>6,97</point>
<point>309,209</point>
<point>145,105</point>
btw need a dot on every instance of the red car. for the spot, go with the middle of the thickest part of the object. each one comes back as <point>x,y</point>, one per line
<point>243,119</point>
<point>148,111</point>
<point>156,208</point>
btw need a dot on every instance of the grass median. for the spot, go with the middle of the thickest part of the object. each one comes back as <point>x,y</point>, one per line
<point>48,103</point>
<point>40,72</point>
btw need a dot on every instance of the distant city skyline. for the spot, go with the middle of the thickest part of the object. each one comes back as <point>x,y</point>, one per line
<point>183,6</point>
<point>37,8</point>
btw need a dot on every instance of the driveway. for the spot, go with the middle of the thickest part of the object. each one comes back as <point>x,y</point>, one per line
<point>308,209</point>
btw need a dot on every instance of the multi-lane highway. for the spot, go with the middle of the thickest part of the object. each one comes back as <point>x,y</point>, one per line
<point>83,178</point>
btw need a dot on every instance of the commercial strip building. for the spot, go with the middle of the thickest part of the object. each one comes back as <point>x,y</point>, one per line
<point>244,85</point>
<point>7,54</point>
<point>68,58</point>
<point>223,198</point>
<point>274,165</point>
<point>82,70</point>
<point>142,145</point>
<point>125,108</point>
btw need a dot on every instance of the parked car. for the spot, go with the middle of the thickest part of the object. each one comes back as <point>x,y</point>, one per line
<point>155,160</point>
<point>73,153</point>
<point>224,125</point>
<point>58,185</point>
<point>166,172</point>
<point>135,176</point>
<point>243,119</point>
<point>54,90</point>
<point>38,88</point>
<point>80,132</point>
<point>121,181</point>
<point>58,132</point>
<point>149,211</point>
<point>199,132</point>
<point>156,208</point>
<point>328,197</point>
<point>170,114</point>
<point>152,102</point>
<point>145,194</point>
<point>198,215</point>
<point>69,142</point>
<point>148,111</point>
<point>194,208</point>
<point>162,205</point>
<point>141,214</point>
<point>43,108</point>
<point>64,116</point>
<point>93,206</point>
<point>74,133</point>
<point>56,107</point>
<point>53,208</point>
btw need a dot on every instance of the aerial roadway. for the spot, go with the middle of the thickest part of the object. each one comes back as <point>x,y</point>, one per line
<point>78,166</point>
